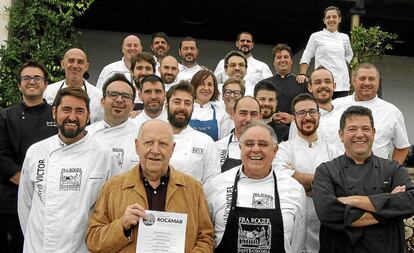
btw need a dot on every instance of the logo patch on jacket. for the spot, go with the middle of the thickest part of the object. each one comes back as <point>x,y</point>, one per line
<point>118,155</point>
<point>70,179</point>
<point>199,151</point>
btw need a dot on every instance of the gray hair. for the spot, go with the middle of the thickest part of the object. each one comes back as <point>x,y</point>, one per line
<point>260,123</point>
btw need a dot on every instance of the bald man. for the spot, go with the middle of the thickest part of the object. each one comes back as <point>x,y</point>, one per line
<point>169,69</point>
<point>75,63</point>
<point>151,185</point>
<point>131,46</point>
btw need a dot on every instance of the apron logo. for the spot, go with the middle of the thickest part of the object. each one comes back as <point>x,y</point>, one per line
<point>262,201</point>
<point>254,235</point>
<point>70,179</point>
<point>118,155</point>
<point>199,151</point>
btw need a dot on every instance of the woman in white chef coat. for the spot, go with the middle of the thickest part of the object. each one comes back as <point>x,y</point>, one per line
<point>207,117</point>
<point>331,49</point>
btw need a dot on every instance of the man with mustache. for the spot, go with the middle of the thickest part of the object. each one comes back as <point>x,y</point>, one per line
<point>116,130</point>
<point>195,152</point>
<point>152,94</point>
<point>61,178</point>
<point>168,71</point>
<point>131,46</point>
<point>75,63</point>
<point>300,156</point>
<point>285,82</point>
<point>188,52</point>
<point>391,140</point>
<point>21,125</point>
<point>257,70</point>
<point>266,94</point>
<point>159,47</point>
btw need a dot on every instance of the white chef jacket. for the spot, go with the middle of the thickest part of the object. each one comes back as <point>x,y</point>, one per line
<point>388,122</point>
<point>292,203</point>
<point>195,154</point>
<point>232,149</point>
<point>112,68</point>
<point>58,189</point>
<point>305,158</point>
<point>333,51</point>
<point>256,72</point>
<point>95,96</point>
<point>143,117</point>
<point>120,140</point>
<point>205,112</point>
<point>187,73</point>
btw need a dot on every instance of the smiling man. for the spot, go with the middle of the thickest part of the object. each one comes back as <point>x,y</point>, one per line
<point>72,166</point>
<point>189,53</point>
<point>391,140</point>
<point>300,156</point>
<point>116,130</point>
<point>360,198</point>
<point>168,71</point>
<point>75,63</point>
<point>253,206</point>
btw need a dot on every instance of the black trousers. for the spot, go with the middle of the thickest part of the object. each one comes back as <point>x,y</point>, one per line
<point>11,236</point>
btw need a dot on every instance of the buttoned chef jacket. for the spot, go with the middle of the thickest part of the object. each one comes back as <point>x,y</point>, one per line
<point>58,189</point>
<point>120,140</point>
<point>259,193</point>
<point>95,96</point>
<point>195,154</point>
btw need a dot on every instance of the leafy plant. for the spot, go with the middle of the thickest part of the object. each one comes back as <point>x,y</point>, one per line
<point>368,44</point>
<point>42,31</point>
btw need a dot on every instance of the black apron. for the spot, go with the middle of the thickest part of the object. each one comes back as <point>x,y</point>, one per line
<point>230,163</point>
<point>253,230</point>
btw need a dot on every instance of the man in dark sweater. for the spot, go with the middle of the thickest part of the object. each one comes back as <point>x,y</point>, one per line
<point>21,125</point>
<point>285,83</point>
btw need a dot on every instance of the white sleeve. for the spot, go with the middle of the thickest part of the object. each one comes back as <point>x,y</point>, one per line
<point>101,78</point>
<point>284,157</point>
<point>219,72</point>
<point>298,234</point>
<point>348,49</point>
<point>25,193</point>
<point>293,131</point>
<point>400,137</point>
<point>211,161</point>
<point>310,49</point>
<point>225,125</point>
<point>266,73</point>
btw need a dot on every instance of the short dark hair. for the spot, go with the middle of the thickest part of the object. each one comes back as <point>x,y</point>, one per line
<point>319,68</point>
<point>281,47</point>
<point>159,35</point>
<point>118,77</point>
<point>143,56</point>
<point>200,76</point>
<point>246,97</point>
<point>245,32</point>
<point>188,38</point>
<point>231,80</point>
<point>332,8</point>
<point>152,79</point>
<point>355,110</point>
<point>234,53</point>
<point>183,85</point>
<point>264,86</point>
<point>73,91</point>
<point>303,97</point>
<point>32,64</point>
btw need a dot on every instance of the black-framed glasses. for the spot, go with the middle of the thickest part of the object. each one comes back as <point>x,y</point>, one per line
<point>302,113</point>
<point>236,93</point>
<point>36,79</point>
<point>126,97</point>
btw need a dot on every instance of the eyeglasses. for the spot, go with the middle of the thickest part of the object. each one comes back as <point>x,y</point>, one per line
<point>36,79</point>
<point>302,113</point>
<point>236,93</point>
<point>252,143</point>
<point>126,97</point>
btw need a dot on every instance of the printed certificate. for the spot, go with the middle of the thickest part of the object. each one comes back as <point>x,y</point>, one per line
<point>162,232</point>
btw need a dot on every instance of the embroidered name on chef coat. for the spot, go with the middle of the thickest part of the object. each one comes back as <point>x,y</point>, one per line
<point>70,179</point>
<point>254,235</point>
<point>118,155</point>
<point>199,151</point>
<point>262,201</point>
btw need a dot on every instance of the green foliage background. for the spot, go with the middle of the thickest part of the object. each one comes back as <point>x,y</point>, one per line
<point>39,30</point>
